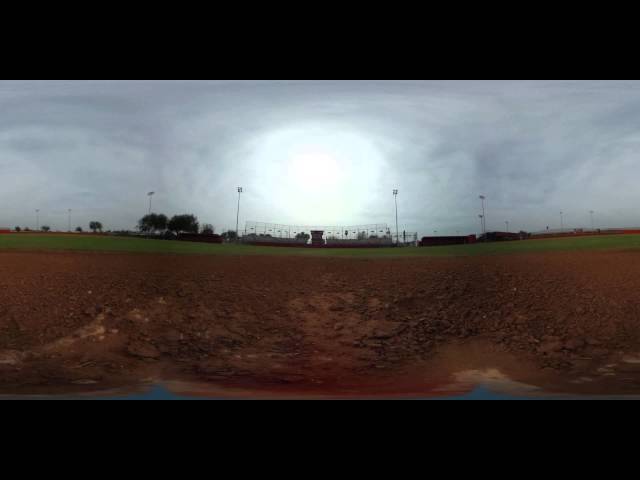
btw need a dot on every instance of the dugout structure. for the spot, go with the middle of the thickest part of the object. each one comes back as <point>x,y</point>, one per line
<point>447,240</point>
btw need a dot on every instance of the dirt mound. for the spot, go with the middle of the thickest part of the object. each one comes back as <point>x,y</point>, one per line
<point>301,322</point>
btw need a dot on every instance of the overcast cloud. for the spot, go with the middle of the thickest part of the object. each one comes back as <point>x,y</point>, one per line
<point>533,148</point>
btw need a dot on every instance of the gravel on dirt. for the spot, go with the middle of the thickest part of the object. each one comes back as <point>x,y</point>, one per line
<point>114,319</point>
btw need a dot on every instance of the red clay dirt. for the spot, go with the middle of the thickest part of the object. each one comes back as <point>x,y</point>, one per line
<point>306,326</point>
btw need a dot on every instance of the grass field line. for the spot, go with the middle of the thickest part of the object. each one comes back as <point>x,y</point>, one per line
<point>138,245</point>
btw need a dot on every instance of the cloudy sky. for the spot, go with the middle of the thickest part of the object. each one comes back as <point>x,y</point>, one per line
<point>323,153</point>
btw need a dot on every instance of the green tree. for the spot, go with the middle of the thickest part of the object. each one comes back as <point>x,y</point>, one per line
<point>45,228</point>
<point>79,229</point>
<point>230,236</point>
<point>18,229</point>
<point>183,224</point>
<point>161,222</point>
<point>207,229</point>
<point>95,226</point>
<point>303,236</point>
<point>153,223</point>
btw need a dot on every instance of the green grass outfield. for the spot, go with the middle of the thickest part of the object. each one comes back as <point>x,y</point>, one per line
<point>37,242</point>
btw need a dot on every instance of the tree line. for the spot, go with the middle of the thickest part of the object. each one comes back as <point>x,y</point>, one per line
<point>94,226</point>
<point>160,223</point>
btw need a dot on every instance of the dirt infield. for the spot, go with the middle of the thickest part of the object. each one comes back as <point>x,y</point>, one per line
<point>318,326</point>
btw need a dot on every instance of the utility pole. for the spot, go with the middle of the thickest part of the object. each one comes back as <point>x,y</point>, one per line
<point>37,220</point>
<point>150,194</point>
<point>69,220</point>
<point>395,196</point>
<point>238,212</point>
<point>484,217</point>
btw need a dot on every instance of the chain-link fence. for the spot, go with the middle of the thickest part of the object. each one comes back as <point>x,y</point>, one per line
<point>377,234</point>
<point>351,232</point>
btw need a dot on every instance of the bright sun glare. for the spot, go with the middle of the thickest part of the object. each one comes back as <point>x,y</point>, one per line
<point>316,168</point>
<point>315,173</point>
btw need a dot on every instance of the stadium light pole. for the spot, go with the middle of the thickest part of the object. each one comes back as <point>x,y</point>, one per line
<point>484,216</point>
<point>561,222</point>
<point>395,196</point>
<point>150,195</point>
<point>481,217</point>
<point>37,220</point>
<point>238,212</point>
<point>591,212</point>
<point>69,220</point>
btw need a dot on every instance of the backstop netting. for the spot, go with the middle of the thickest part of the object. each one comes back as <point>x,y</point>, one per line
<point>372,234</point>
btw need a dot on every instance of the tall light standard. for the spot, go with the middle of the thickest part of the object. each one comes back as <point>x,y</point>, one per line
<point>238,213</point>
<point>481,217</point>
<point>395,197</point>
<point>150,195</point>
<point>591,212</point>
<point>37,220</point>
<point>561,222</point>
<point>484,215</point>
<point>69,211</point>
